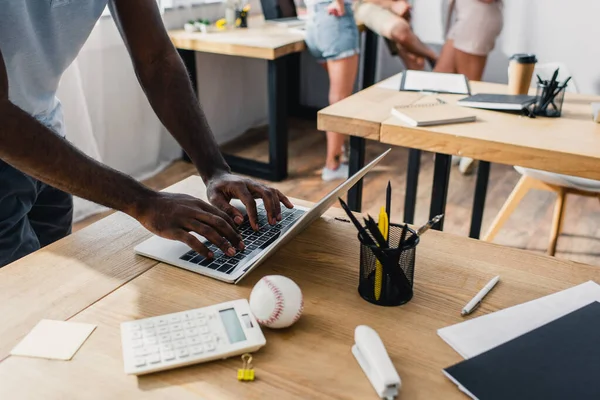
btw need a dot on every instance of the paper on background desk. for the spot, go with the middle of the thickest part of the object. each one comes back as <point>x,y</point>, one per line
<point>56,340</point>
<point>481,334</point>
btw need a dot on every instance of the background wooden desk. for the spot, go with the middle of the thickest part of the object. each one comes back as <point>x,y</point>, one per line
<point>568,145</point>
<point>281,48</point>
<point>311,359</point>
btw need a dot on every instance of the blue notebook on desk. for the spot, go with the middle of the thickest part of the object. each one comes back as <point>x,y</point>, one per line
<point>560,360</point>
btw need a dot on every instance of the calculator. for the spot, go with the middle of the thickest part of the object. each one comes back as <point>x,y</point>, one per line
<point>190,337</point>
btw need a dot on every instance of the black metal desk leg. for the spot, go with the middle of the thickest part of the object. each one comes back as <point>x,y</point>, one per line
<point>189,60</point>
<point>278,130</point>
<point>483,175</point>
<point>369,59</point>
<point>439,193</point>
<point>412,180</point>
<point>357,161</point>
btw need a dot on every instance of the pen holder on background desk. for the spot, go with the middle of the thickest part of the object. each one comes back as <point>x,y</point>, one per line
<point>398,269</point>
<point>549,101</point>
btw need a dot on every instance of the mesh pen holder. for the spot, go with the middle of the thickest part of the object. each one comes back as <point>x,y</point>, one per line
<point>397,269</point>
<point>549,101</point>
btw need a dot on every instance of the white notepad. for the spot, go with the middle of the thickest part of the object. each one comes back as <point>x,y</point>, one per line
<point>479,335</point>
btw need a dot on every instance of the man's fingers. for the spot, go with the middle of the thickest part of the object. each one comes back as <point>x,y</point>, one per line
<point>244,195</point>
<point>211,233</point>
<point>282,198</point>
<point>271,201</point>
<point>218,212</point>
<point>194,243</point>
<point>233,213</point>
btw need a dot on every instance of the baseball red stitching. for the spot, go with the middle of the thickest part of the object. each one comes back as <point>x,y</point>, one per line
<point>299,313</point>
<point>279,303</point>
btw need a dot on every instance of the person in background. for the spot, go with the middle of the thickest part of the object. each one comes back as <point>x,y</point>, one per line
<point>332,38</point>
<point>391,19</point>
<point>471,32</point>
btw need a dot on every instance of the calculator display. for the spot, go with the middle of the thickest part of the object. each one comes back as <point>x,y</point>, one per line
<point>232,325</point>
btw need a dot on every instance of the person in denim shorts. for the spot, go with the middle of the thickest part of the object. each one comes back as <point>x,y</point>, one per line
<point>332,38</point>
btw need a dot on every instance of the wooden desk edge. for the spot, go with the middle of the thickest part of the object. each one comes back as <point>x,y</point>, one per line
<point>360,128</point>
<point>501,153</point>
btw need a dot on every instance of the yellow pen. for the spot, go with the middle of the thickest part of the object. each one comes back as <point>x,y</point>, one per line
<point>384,227</point>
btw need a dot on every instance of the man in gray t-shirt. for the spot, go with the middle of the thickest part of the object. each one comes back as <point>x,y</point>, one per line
<point>38,167</point>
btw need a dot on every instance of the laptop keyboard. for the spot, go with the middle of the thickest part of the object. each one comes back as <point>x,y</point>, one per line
<point>258,240</point>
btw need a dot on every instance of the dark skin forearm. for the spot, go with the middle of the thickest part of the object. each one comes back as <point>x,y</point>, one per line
<point>165,81</point>
<point>34,149</point>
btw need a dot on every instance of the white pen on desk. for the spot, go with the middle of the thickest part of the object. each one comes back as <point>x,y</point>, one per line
<point>476,301</point>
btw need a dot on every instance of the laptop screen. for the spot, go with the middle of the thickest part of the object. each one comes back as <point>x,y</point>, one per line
<point>274,9</point>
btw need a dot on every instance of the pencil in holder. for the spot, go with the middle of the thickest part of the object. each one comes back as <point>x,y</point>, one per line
<point>386,274</point>
<point>549,100</point>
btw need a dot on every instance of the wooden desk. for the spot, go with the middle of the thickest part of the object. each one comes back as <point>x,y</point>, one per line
<point>280,47</point>
<point>568,145</point>
<point>310,360</point>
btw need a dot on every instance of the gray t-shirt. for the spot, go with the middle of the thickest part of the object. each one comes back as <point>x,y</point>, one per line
<point>39,39</point>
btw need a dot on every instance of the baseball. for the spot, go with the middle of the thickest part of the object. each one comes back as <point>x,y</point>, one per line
<point>276,301</point>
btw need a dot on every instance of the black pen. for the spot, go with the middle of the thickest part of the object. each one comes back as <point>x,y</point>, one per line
<point>388,206</point>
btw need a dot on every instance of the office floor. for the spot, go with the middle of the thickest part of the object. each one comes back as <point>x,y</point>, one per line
<point>528,228</point>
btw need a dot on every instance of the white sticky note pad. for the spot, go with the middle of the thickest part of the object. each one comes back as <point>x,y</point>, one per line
<point>56,340</point>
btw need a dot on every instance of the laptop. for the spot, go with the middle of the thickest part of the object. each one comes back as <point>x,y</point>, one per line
<point>259,245</point>
<point>282,13</point>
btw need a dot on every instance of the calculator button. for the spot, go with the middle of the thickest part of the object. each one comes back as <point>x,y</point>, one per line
<point>199,314</point>
<point>163,330</point>
<point>151,349</point>
<point>148,324</point>
<point>164,338</point>
<point>168,355</point>
<point>139,362</point>
<point>162,321</point>
<point>137,343</point>
<point>135,327</point>
<point>140,352</point>
<point>193,341</point>
<point>182,353</point>
<point>203,329</point>
<point>210,347</point>
<point>206,338</point>
<point>189,324</point>
<point>176,327</point>
<point>191,332</point>
<point>197,349</point>
<point>148,333</point>
<point>154,359</point>
<point>151,340</point>
<point>177,336</point>
<point>187,316</point>
<point>136,335</point>
<point>201,321</point>
<point>174,318</point>
<point>180,344</point>
<point>166,347</point>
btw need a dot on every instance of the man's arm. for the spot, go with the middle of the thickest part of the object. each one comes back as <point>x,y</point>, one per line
<point>34,149</point>
<point>165,81</point>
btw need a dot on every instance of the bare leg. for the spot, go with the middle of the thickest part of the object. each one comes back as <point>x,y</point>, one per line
<point>470,65</point>
<point>446,61</point>
<point>342,75</point>
<point>403,35</point>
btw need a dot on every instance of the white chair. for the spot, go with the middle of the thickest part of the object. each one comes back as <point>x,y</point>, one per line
<point>560,184</point>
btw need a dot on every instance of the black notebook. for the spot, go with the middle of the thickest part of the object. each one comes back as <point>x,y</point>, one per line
<point>560,360</point>
<point>503,102</point>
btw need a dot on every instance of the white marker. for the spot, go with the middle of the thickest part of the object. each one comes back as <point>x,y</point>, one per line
<point>476,301</point>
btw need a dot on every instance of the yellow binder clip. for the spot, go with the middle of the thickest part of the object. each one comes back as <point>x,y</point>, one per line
<point>246,373</point>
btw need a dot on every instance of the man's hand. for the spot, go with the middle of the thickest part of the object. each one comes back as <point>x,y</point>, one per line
<point>400,7</point>
<point>174,216</point>
<point>336,8</point>
<point>224,187</point>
